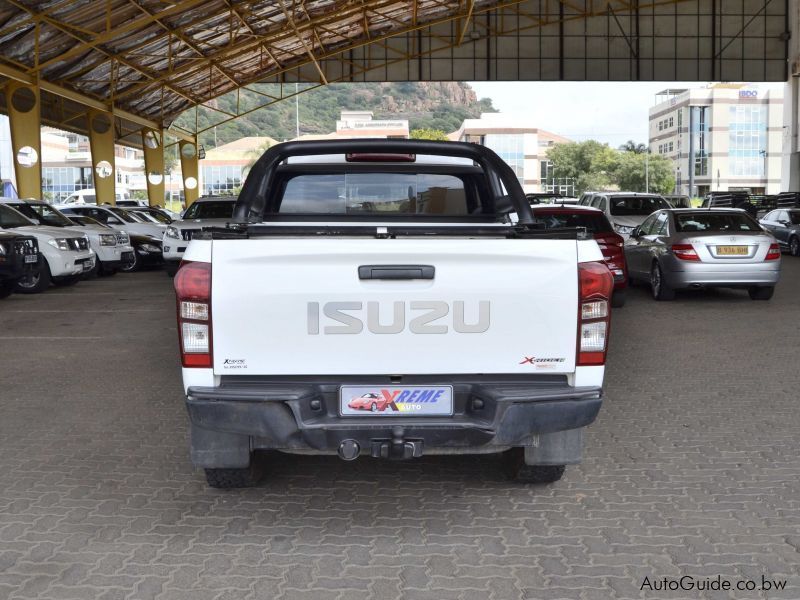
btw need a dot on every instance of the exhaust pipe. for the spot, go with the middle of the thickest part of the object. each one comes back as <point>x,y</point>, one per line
<point>349,450</point>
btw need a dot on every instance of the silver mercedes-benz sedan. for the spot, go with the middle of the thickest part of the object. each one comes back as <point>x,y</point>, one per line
<point>698,248</point>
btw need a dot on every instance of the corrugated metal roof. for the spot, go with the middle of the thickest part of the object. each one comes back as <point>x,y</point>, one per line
<point>155,59</point>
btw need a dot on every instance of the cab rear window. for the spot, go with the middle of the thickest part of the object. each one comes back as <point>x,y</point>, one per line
<point>215,209</point>
<point>594,222</point>
<point>702,221</point>
<point>375,193</point>
<point>636,206</point>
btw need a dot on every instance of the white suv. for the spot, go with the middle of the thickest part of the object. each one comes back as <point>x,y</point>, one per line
<point>207,211</point>
<point>113,248</point>
<point>65,255</point>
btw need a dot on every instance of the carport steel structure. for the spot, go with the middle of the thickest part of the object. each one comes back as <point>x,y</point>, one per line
<point>123,70</point>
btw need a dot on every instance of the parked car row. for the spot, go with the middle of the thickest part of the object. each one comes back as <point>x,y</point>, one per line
<point>645,239</point>
<point>44,244</point>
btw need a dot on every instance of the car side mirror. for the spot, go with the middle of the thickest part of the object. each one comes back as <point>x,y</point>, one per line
<point>636,232</point>
<point>784,223</point>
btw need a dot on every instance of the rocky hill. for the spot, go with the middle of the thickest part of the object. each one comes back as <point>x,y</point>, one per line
<point>435,105</point>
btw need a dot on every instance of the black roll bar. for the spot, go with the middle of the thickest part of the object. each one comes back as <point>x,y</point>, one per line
<point>251,204</point>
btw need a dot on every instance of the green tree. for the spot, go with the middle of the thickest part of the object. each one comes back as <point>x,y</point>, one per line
<point>631,146</point>
<point>428,134</point>
<point>590,164</point>
<point>632,171</point>
<point>596,166</point>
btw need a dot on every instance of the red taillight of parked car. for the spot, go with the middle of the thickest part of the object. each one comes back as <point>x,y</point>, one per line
<point>595,285</point>
<point>611,245</point>
<point>774,252</point>
<point>193,295</point>
<point>685,252</point>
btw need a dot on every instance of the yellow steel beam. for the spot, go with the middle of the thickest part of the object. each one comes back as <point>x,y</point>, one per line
<point>190,171</point>
<point>302,40</point>
<point>117,32</point>
<point>153,146</point>
<point>87,101</point>
<point>101,142</point>
<point>284,34</point>
<point>24,106</point>
<point>466,22</point>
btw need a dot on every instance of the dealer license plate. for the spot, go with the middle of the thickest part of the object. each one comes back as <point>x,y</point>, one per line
<point>732,251</point>
<point>395,401</point>
<point>31,258</point>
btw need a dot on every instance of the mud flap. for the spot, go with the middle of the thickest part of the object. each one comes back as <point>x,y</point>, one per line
<point>556,448</point>
<point>218,450</point>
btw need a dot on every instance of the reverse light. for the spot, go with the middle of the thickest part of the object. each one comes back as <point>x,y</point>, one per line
<point>595,285</point>
<point>774,252</point>
<point>593,336</point>
<point>197,311</point>
<point>597,309</point>
<point>193,295</point>
<point>685,252</point>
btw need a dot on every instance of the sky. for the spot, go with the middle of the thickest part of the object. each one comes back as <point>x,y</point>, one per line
<point>608,111</point>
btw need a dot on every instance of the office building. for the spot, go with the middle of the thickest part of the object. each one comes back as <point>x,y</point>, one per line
<point>720,137</point>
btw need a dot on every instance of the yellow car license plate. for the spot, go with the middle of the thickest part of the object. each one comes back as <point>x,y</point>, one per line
<point>732,250</point>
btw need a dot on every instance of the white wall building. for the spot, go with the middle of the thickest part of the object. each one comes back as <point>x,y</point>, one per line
<point>721,137</point>
<point>522,145</point>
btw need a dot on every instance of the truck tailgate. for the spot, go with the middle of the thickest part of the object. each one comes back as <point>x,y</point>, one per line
<point>296,306</point>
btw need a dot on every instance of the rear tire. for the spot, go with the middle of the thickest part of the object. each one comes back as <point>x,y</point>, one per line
<point>518,471</point>
<point>618,299</point>
<point>660,288</point>
<point>761,293</point>
<point>226,479</point>
<point>794,246</point>
<point>37,281</point>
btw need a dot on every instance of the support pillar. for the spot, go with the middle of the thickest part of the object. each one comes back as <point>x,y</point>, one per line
<point>24,115</point>
<point>101,140</point>
<point>153,145</point>
<point>190,170</point>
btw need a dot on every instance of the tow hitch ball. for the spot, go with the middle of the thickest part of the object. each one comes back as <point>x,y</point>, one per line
<point>398,448</point>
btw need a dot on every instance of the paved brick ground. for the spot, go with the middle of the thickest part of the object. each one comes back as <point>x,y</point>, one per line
<point>691,469</point>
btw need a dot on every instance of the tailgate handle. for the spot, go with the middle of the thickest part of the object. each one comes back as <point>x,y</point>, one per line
<point>396,272</point>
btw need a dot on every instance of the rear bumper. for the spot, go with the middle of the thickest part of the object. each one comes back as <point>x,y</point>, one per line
<point>714,275</point>
<point>231,420</point>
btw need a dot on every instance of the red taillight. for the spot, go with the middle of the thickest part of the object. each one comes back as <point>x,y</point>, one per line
<point>774,252</point>
<point>595,286</point>
<point>685,252</point>
<point>377,157</point>
<point>193,295</point>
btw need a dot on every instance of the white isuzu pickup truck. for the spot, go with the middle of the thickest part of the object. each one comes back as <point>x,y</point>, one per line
<point>393,299</point>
